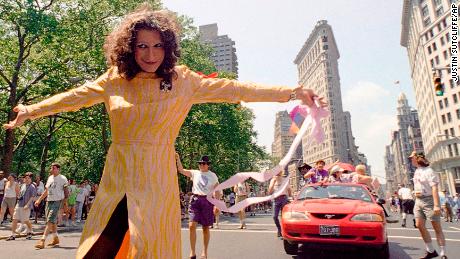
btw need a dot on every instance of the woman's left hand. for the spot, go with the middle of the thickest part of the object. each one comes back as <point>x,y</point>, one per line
<point>307,96</point>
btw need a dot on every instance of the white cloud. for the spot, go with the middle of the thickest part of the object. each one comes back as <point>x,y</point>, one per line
<point>363,93</point>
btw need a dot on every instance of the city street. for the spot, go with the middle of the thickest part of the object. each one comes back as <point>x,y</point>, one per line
<point>257,241</point>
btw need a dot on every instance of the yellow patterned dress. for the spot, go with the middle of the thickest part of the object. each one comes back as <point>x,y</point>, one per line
<point>140,164</point>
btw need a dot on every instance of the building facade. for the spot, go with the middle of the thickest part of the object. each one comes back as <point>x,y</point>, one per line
<point>426,36</point>
<point>224,55</point>
<point>317,64</point>
<point>404,140</point>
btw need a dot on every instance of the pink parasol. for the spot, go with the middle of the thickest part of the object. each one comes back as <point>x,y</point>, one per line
<point>345,166</point>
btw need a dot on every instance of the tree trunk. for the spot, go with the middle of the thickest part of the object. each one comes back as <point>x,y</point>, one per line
<point>46,145</point>
<point>8,148</point>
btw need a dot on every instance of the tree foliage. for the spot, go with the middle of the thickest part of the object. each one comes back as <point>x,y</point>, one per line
<point>50,46</point>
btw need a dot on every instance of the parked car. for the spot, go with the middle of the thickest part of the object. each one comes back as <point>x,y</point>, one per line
<point>340,216</point>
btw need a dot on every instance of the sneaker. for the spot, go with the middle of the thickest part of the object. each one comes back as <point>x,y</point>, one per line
<point>56,242</point>
<point>40,244</point>
<point>10,238</point>
<point>29,236</point>
<point>430,255</point>
<point>78,221</point>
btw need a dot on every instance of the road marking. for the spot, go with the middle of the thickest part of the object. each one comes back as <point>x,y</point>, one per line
<point>455,228</point>
<point>433,238</point>
<point>238,230</point>
<point>416,229</point>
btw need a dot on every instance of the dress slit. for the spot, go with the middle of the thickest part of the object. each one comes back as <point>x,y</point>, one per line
<point>113,242</point>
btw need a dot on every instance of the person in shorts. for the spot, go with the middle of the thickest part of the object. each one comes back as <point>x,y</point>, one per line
<point>407,203</point>
<point>200,209</point>
<point>24,206</point>
<point>10,195</point>
<point>427,205</point>
<point>241,190</point>
<point>55,194</point>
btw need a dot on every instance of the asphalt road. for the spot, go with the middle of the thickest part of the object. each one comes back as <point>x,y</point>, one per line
<point>258,241</point>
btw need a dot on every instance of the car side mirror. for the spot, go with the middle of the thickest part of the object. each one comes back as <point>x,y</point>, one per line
<point>381,201</point>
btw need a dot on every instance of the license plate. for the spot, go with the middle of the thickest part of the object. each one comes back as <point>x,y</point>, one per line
<point>329,230</point>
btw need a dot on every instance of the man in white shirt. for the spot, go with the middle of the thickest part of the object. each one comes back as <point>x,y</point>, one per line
<point>407,203</point>
<point>81,197</point>
<point>55,192</point>
<point>200,209</point>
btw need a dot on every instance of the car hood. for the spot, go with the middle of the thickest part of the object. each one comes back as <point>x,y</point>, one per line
<point>334,206</point>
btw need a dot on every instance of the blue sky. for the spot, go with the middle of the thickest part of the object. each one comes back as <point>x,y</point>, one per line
<point>269,34</point>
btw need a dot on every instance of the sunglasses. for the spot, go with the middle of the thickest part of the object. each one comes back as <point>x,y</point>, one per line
<point>203,163</point>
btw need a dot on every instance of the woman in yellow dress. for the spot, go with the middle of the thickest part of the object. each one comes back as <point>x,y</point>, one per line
<point>136,213</point>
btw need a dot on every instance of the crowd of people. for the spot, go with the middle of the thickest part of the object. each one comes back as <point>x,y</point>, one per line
<point>60,202</point>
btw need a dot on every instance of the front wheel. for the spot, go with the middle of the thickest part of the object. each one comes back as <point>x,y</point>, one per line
<point>384,251</point>
<point>290,249</point>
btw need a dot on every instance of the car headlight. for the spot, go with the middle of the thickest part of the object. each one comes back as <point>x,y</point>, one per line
<point>295,215</point>
<point>368,217</point>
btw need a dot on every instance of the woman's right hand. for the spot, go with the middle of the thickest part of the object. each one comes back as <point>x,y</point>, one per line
<point>21,117</point>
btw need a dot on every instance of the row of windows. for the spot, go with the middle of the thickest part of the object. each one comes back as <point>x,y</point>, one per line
<point>440,26</point>
<point>439,10</point>
<point>436,61</point>
<point>446,101</point>
<point>431,48</point>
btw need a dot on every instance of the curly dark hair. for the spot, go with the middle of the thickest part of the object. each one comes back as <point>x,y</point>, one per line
<point>120,43</point>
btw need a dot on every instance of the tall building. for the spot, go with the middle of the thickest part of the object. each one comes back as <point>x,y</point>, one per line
<point>391,183</point>
<point>283,138</point>
<point>224,55</point>
<point>426,35</point>
<point>281,144</point>
<point>318,68</point>
<point>404,140</point>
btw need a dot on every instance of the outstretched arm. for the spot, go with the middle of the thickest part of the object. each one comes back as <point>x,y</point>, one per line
<point>181,169</point>
<point>84,96</point>
<point>206,90</point>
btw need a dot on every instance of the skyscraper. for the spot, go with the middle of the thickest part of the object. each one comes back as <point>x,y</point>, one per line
<point>426,35</point>
<point>318,68</point>
<point>224,55</point>
<point>404,140</point>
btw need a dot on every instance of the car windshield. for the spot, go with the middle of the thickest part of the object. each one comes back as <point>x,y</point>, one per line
<point>334,192</point>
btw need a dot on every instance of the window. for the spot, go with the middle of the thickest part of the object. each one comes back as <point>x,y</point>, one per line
<point>449,147</point>
<point>446,102</point>
<point>324,38</point>
<point>451,83</point>
<point>427,22</point>
<point>442,41</point>
<point>455,149</point>
<point>436,60</point>
<point>437,2</point>
<point>443,117</point>
<point>452,132</point>
<point>444,23</point>
<point>458,114</point>
<point>432,63</point>
<point>447,37</point>
<point>445,55</point>
<point>440,105</point>
<point>325,47</point>
<point>439,12</point>
<point>434,46</point>
<point>429,50</point>
<point>449,117</point>
<point>454,96</point>
<point>439,27</point>
<point>425,11</point>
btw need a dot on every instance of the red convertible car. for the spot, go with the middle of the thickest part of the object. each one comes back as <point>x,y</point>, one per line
<point>337,216</point>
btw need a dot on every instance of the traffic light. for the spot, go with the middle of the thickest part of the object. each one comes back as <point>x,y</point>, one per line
<point>438,86</point>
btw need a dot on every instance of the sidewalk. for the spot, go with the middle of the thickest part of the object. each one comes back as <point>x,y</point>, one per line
<point>37,229</point>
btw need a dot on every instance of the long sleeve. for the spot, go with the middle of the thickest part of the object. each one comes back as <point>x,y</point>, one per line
<point>206,90</point>
<point>86,95</point>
